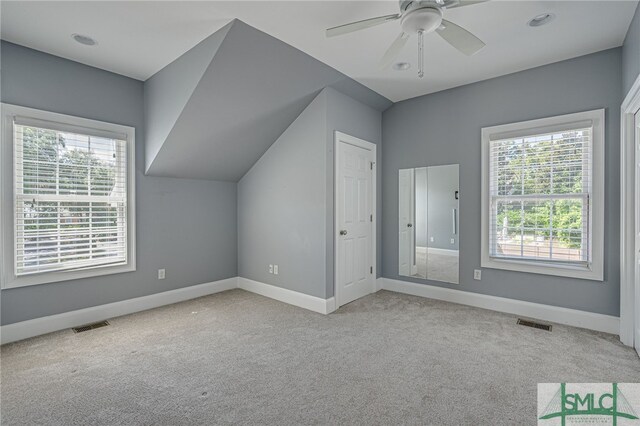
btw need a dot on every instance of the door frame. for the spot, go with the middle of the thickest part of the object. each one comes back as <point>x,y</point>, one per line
<point>629,178</point>
<point>360,143</point>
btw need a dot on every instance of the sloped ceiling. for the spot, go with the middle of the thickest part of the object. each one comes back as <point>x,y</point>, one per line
<point>213,112</point>
<point>168,91</point>
<point>138,38</point>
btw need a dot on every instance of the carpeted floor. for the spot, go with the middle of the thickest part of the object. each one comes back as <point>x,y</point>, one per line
<point>437,267</point>
<point>236,357</point>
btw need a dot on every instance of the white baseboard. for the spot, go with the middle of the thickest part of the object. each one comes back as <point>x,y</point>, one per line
<point>25,329</point>
<point>291,297</point>
<point>379,284</point>
<point>434,250</point>
<point>445,252</point>
<point>35,327</point>
<point>572,317</point>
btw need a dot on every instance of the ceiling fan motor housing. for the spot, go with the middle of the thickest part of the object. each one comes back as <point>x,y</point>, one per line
<point>407,5</point>
<point>426,19</point>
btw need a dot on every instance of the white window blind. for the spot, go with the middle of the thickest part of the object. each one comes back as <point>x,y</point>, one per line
<point>70,198</point>
<point>540,187</point>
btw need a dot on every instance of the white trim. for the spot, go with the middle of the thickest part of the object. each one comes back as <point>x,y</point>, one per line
<point>630,106</point>
<point>312,303</point>
<point>572,317</point>
<point>352,140</point>
<point>594,271</point>
<point>444,252</point>
<point>8,278</point>
<point>25,329</point>
<point>379,284</point>
<point>35,327</point>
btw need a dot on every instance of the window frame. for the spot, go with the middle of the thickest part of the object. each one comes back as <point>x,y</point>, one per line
<point>594,270</point>
<point>8,278</point>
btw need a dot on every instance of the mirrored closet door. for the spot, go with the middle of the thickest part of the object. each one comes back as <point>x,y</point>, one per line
<point>428,227</point>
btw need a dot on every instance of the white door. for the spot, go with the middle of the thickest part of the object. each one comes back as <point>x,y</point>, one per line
<point>406,213</point>
<point>355,195</point>
<point>637,229</point>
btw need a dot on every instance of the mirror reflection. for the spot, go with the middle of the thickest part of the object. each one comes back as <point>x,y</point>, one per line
<point>428,223</point>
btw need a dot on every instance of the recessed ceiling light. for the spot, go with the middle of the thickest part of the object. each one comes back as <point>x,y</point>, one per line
<point>401,66</point>
<point>83,39</point>
<point>541,20</point>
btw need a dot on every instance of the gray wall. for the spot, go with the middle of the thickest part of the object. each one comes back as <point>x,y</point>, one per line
<point>444,128</point>
<point>285,202</point>
<point>631,54</point>
<point>281,208</point>
<point>185,226</point>
<point>251,91</point>
<point>167,92</point>
<point>442,182</point>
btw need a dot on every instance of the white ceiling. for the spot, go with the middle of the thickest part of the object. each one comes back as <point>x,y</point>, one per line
<point>139,38</point>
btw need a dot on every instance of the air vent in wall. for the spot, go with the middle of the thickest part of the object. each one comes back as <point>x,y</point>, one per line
<point>90,326</point>
<point>534,324</point>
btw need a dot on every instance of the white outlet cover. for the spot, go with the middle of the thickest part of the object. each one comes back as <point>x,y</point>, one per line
<point>161,274</point>
<point>477,274</point>
<point>431,239</point>
<point>271,269</point>
<point>453,241</point>
<point>275,269</point>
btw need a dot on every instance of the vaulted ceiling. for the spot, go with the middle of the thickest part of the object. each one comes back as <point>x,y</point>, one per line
<point>213,112</point>
<point>219,91</point>
<point>138,38</point>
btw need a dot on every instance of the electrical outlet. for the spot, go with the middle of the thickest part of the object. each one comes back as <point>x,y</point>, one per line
<point>275,269</point>
<point>431,239</point>
<point>161,274</point>
<point>477,274</point>
<point>453,241</point>
<point>271,269</point>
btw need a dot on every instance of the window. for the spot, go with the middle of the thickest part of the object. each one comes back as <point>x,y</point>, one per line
<point>542,194</point>
<point>71,191</point>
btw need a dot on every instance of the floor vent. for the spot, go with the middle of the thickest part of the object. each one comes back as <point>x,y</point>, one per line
<point>90,326</point>
<point>534,324</point>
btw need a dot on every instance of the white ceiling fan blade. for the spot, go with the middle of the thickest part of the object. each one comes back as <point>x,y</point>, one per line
<point>360,25</point>
<point>394,50</point>
<point>459,38</point>
<point>461,3</point>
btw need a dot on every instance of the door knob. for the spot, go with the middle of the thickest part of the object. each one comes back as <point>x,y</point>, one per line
<point>343,232</point>
<point>409,225</point>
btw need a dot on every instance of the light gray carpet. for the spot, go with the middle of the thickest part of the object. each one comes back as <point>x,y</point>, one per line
<point>436,267</point>
<point>236,357</point>
<point>442,267</point>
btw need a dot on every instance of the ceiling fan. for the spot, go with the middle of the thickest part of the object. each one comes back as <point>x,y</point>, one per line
<point>419,17</point>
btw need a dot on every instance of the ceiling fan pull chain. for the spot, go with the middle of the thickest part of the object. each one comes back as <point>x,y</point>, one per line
<point>420,53</point>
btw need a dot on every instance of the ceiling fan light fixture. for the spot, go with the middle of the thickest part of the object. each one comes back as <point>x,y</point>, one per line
<point>541,20</point>
<point>425,19</point>
<point>401,66</point>
<point>83,39</point>
<point>418,18</point>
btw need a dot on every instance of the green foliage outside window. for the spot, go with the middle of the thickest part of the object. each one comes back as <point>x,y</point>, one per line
<point>549,164</point>
<point>54,165</point>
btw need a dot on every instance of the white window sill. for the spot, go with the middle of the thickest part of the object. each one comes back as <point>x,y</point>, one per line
<point>535,267</point>
<point>56,276</point>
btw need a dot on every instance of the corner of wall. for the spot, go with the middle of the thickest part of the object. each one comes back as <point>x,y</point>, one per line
<point>281,208</point>
<point>167,92</point>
